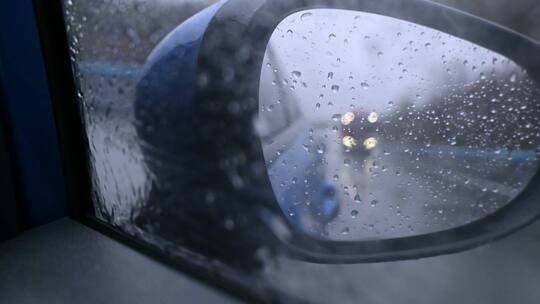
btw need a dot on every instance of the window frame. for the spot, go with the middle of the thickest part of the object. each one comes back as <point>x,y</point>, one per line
<point>10,217</point>
<point>35,180</point>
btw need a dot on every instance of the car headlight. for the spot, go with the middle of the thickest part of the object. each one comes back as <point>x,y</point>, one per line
<point>373,117</point>
<point>347,118</point>
<point>370,143</point>
<point>349,141</point>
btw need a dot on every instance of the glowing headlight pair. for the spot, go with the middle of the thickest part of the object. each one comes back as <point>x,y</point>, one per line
<point>350,142</point>
<point>348,118</point>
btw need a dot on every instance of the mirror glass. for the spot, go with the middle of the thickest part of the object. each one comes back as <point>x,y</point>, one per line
<point>376,128</point>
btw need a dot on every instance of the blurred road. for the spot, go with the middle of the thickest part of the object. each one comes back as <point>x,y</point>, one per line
<point>396,190</point>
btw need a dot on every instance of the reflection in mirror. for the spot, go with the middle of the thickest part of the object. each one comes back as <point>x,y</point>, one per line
<point>376,128</point>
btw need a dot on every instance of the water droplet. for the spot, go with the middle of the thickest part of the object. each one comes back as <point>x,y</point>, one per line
<point>305,16</point>
<point>513,77</point>
<point>345,230</point>
<point>357,198</point>
<point>354,213</point>
<point>374,203</point>
<point>335,88</point>
<point>364,85</point>
<point>330,76</point>
<point>336,117</point>
<point>297,74</point>
<point>229,224</point>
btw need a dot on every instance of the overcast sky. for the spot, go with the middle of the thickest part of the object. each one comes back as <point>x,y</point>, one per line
<point>341,58</point>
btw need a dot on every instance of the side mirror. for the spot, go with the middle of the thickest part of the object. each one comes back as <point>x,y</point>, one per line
<point>349,131</point>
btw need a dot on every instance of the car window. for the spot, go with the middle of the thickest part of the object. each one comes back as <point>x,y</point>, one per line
<point>110,43</point>
<point>325,124</point>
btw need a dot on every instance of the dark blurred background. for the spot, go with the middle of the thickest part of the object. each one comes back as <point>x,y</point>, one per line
<point>127,30</point>
<point>520,15</point>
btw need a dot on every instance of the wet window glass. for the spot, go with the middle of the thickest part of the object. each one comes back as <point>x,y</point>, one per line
<point>371,128</point>
<point>110,43</point>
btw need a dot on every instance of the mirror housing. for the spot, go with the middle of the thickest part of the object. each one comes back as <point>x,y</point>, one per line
<point>226,80</point>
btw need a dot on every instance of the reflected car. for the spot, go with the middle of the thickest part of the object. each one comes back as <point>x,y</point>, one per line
<point>359,132</point>
<point>283,132</point>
